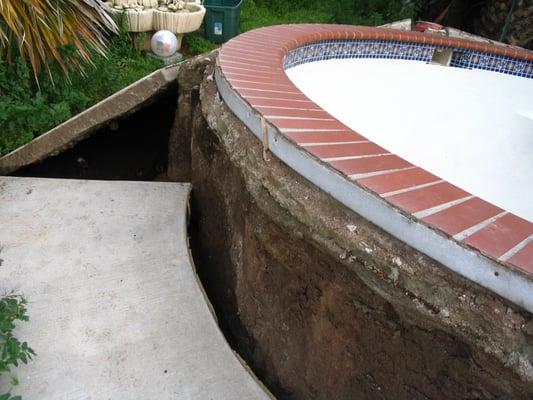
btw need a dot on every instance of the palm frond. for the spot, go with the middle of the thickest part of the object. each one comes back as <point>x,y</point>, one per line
<point>38,29</point>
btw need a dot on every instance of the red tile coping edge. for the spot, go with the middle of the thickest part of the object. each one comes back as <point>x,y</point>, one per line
<point>253,66</point>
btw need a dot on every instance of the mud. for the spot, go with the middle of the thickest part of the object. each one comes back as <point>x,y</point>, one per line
<point>321,309</point>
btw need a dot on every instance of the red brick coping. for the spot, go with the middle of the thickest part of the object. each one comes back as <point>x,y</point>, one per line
<point>252,65</point>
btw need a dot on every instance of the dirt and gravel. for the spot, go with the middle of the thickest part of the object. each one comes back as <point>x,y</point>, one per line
<point>321,303</point>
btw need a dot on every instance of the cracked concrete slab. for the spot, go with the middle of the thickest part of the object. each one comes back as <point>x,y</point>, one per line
<point>116,311</point>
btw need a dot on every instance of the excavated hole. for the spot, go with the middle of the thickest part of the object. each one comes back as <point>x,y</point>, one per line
<point>132,148</point>
<point>306,326</point>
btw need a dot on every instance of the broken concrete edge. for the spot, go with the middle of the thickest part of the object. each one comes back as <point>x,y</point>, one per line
<point>509,283</point>
<point>185,233</point>
<point>423,292</point>
<point>82,125</point>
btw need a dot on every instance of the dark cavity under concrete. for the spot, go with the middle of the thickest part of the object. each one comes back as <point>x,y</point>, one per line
<point>83,125</point>
<point>129,148</point>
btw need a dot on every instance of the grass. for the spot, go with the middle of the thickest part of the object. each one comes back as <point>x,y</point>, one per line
<point>259,13</point>
<point>28,109</point>
<point>194,44</point>
<point>255,14</point>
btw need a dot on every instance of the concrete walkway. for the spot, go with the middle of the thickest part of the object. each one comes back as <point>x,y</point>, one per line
<point>116,311</point>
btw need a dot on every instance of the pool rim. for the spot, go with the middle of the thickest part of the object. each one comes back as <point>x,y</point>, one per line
<point>258,56</point>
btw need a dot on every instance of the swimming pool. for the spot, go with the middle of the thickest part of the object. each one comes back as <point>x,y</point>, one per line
<point>427,137</point>
<point>472,128</point>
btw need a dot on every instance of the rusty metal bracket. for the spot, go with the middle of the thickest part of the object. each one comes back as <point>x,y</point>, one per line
<point>264,129</point>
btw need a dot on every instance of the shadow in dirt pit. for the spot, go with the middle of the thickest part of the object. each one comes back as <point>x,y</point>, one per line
<point>132,148</point>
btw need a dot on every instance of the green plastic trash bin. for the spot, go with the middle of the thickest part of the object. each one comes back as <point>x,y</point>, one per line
<point>222,19</point>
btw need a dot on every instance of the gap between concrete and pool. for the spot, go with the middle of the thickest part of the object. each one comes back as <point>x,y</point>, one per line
<point>275,277</point>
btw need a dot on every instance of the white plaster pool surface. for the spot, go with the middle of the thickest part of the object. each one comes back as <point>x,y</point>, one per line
<point>472,128</point>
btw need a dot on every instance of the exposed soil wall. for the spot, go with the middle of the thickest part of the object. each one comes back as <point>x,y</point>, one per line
<point>321,303</point>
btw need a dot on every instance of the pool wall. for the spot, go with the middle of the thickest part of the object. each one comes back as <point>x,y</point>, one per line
<point>399,50</point>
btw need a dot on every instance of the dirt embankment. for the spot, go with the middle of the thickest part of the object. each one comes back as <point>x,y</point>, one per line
<point>321,303</point>
<point>510,21</point>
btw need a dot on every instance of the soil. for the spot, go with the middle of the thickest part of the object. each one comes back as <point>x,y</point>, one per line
<point>314,313</point>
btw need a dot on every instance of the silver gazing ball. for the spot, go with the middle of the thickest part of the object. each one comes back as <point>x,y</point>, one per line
<point>164,43</point>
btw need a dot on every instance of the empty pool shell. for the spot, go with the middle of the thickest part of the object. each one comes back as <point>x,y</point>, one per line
<point>494,251</point>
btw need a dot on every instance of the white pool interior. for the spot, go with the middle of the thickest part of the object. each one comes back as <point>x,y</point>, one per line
<point>472,128</point>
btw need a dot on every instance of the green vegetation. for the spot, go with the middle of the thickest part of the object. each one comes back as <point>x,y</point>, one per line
<point>258,13</point>
<point>37,29</point>
<point>28,108</point>
<point>195,44</point>
<point>12,351</point>
<point>354,12</point>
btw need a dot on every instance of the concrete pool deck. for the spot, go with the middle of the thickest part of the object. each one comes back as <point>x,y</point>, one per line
<point>116,310</point>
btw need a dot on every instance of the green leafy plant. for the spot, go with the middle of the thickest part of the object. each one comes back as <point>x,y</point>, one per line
<point>12,351</point>
<point>196,44</point>
<point>28,110</point>
<point>36,30</point>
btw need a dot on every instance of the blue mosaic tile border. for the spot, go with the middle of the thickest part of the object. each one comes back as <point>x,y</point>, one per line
<point>387,49</point>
